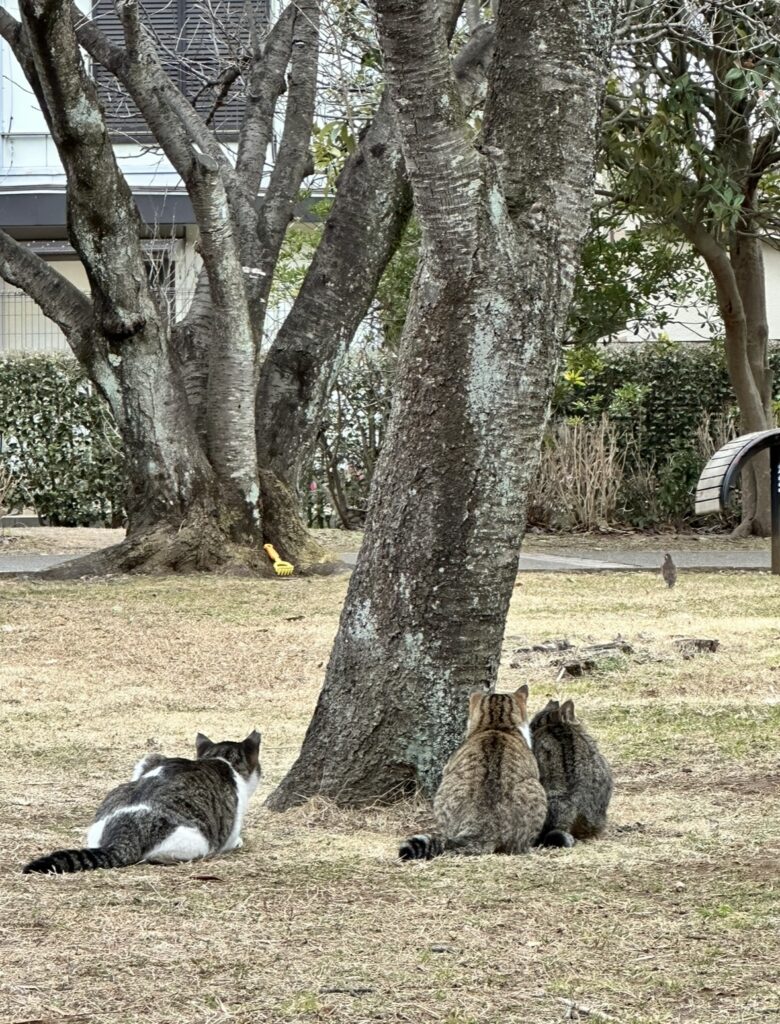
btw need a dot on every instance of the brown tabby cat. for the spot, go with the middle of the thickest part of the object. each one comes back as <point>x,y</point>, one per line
<point>490,799</point>
<point>574,773</point>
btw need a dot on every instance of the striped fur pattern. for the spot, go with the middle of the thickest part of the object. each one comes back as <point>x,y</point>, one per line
<point>173,809</point>
<point>574,773</point>
<point>490,799</point>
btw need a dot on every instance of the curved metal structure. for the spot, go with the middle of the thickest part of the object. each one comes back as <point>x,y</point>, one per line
<point>720,473</point>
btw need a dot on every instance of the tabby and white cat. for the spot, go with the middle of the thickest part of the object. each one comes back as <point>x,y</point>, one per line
<point>173,810</point>
<point>574,773</point>
<point>490,799</point>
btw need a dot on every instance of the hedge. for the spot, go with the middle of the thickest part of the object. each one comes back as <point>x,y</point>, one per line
<point>659,396</point>
<point>59,441</point>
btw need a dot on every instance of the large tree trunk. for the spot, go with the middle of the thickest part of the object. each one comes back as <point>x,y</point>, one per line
<point>424,616</point>
<point>757,414</point>
<point>184,509</point>
<point>738,275</point>
<point>371,207</point>
<point>741,288</point>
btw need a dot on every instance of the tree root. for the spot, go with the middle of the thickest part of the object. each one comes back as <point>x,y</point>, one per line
<point>193,548</point>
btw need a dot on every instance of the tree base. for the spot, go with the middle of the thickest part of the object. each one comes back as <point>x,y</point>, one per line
<point>196,547</point>
<point>754,526</point>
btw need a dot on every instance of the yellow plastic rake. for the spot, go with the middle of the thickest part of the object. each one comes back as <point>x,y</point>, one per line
<point>281,568</point>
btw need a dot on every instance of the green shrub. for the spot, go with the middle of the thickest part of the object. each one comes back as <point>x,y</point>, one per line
<point>673,405</point>
<point>59,442</point>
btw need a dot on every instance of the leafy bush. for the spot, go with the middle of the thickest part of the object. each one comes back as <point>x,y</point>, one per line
<point>673,406</point>
<point>59,442</point>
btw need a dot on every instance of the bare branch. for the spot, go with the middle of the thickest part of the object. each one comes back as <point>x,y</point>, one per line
<point>172,119</point>
<point>59,299</point>
<point>11,31</point>
<point>293,160</point>
<point>264,86</point>
<point>62,302</point>
<point>105,232</point>
<point>471,65</point>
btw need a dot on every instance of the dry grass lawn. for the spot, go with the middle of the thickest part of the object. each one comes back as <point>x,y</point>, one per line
<point>672,917</point>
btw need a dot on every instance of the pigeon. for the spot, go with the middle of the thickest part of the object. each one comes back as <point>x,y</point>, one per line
<point>669,570</point>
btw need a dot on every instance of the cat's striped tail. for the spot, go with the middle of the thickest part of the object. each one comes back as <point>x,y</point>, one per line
<point>422,847</point>
<point>63,862</point>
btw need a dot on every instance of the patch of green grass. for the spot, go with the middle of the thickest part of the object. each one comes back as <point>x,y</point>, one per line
<point>674,731</point>
<point>301,1004</point>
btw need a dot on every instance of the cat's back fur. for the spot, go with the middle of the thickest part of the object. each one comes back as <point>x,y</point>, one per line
<point>173,809</point>
<point>490,799</point>
<point>574,773</point>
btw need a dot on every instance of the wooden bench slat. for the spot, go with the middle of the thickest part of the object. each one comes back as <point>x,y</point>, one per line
<point>710,505</point>
<point>717,473</point>
<point>721,464</point>
<point>706,497</point>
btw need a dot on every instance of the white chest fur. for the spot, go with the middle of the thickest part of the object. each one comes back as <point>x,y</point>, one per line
<point>244,789</point>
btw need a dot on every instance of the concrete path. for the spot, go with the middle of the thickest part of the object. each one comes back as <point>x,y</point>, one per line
<point>630,561</point>
<point>33,563</point>
<point>548,561</point>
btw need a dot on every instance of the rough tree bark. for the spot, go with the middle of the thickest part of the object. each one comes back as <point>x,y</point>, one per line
<point>501,227</point>
<point>371,207</point>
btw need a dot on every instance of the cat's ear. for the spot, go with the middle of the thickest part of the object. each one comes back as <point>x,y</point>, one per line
<point>474,701</point>
<point>567,711</point>
<point>251,747</point>
<point>202,744</point>
<point>521,697</point>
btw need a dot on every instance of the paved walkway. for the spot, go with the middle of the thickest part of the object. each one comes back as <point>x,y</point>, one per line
<point>628,561</point>
<point>32,563</point>
<point>548,561</point>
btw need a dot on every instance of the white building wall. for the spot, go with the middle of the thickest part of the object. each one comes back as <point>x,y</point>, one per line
<point>687,323</point>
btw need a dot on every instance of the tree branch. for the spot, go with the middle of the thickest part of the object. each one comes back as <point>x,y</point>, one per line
<point>103,222</point>
<point>440,158</point>
<point>97,43</point>
<point>264,87</point>
<point>69,308</point>
<point>292,159</point>
<point>59,299</point>
<point>472,63</point>
<point>370,208</point>
<point>171,118</point>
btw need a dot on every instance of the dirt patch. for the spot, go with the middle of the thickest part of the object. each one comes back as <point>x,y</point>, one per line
<point>61,540</point>
<point>56,540</point>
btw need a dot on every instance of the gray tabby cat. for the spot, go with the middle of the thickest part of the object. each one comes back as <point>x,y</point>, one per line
<point>490,799</point>
<point>172,810</point>
<point>574,773</point>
